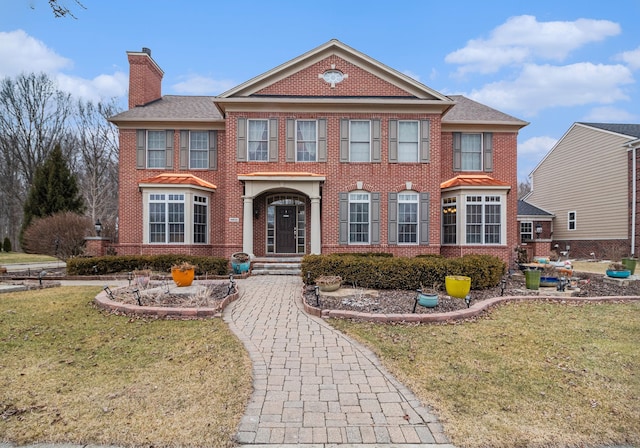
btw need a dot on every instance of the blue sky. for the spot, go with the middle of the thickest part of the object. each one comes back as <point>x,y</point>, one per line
<point>550,63</point>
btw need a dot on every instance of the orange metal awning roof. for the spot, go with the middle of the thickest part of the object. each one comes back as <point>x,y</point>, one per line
<point>473,180</point>
<point>178,179</point>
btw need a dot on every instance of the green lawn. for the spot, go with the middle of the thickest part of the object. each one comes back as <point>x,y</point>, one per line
<point>529,374</point>
<point>18,257</point>
<point>71,373</point>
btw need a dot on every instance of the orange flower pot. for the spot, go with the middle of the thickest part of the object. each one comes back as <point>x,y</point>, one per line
<point>183,278</point>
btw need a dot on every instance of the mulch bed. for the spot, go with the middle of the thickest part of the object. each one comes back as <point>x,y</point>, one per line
<point>402,301</point>
<point>210,296</point>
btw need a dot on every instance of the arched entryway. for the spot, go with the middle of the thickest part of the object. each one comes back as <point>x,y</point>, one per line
<point>286,224</point>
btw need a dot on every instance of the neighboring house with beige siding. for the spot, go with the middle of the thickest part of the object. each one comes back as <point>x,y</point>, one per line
<point>585,182</point>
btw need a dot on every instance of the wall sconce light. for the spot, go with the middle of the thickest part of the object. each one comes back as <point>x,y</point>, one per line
<point>538,230</point>
<point>256,211</point>
<point>98,227</point>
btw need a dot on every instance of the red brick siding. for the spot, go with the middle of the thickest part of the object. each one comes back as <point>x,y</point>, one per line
<point>358,82</point>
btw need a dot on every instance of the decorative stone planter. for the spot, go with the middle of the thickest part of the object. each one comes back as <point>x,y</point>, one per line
<point>329,283</point>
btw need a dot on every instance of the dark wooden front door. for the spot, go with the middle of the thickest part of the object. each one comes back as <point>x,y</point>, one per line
<point>285,229</point>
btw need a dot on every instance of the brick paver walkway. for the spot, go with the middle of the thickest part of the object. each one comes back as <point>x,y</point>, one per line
<point>312,385</point>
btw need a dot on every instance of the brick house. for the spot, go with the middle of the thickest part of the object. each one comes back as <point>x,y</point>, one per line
<point>329,152</point>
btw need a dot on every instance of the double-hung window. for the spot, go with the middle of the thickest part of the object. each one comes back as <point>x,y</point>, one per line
<point>471,147</point>
<point>526,231</point>
<point>359,208</point>
<point>156,147</point>
<point>483,217</point>
<point>407,218</point>
<point>306,140</point>
<point>408,138</point>
<point>166,218</point>
<point>198,149</point>
<point>449,220</point>
<point>258,140</point>
<point>360,141</point>
<point>571,220</point>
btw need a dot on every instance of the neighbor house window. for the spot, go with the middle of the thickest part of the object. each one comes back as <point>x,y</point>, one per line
<point>258,139</point>
<point>156,147</point>
<point>526,231</point>
<point>571,221</point>
<point>449,221</point>
<point>408,141</point>
<point>306,141</point>
<point>408,218</point>
<point>359,218</point>
<point>360,141</point>
<point>483,217</point>
<point>177,218</point>
<point>198,149</point>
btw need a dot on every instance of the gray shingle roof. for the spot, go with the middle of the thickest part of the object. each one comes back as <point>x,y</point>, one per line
<point>469,110</point>
<point>526,209</point>
<point>174,108</point>
<point>631,130</point>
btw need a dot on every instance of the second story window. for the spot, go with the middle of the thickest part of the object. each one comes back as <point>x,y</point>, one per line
<point>258,140</point>
<point>473,151</point>
<point>156,147</point>
<point>199,149</point>
<point>360,141</point>
<point>306,140</point>
<point>407,141</point>
<point>471,147</point>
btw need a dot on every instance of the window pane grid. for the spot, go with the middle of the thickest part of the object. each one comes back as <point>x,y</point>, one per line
<point>407,218</point>
<point>258,141</point>
<point>471,147</point>
<point>156,146</point>
<point>198,149</point>
<point>200,219</point>
<point>408,141</point>
<point>359,218</point>
<point>360,141</point>
<point>306,141</point>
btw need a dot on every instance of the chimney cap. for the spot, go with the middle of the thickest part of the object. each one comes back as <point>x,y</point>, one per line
<point>146,50</point>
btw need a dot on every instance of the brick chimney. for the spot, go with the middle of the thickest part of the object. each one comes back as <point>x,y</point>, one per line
<point>145,78</point>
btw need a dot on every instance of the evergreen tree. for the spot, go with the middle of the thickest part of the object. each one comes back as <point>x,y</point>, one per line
<point>54,190</point>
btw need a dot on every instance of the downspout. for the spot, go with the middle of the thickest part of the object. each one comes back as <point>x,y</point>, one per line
<point>634,193</point>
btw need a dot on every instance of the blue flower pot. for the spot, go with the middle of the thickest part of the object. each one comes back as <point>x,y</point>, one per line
<point>428,300</point>
<point>618,274</point>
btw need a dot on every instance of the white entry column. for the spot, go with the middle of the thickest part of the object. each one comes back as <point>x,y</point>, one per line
<point>315,226</point>
<point>247,226</point>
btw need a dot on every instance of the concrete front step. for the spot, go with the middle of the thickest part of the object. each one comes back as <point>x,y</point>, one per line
<point>276,266</point>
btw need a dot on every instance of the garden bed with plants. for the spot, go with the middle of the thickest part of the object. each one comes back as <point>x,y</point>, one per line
<point>395,301</point>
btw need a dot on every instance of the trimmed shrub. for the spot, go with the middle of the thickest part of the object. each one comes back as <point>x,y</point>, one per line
<point>6,244</point>
<point>160,263</point>
<point>402,272</point>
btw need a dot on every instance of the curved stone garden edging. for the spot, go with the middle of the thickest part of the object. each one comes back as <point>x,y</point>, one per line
<point>103,301</point>
<point>475,310</point>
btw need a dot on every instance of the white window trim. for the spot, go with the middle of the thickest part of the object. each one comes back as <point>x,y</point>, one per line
<point>481,152</point>
<point>520,231</point>
<point>417,142</point>
<point>296,139</point>
<point>574,220</point>
<point>461,215</point>
<point>189,202</point>
<point>359,201</point>
<point>351,140</point>
<point>417,222</point>
<point>205,150</point>
<point>249,121</point>
<point>163,149</point>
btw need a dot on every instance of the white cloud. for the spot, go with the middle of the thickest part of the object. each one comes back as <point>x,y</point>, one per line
<point>21,53</point>
<point>536,146</point>
<point>201,85</point>
<point>541,87</point>
<point>522,38</point>
<point>610,115</point>
<point>101,87</point>
<point>631,58</point>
